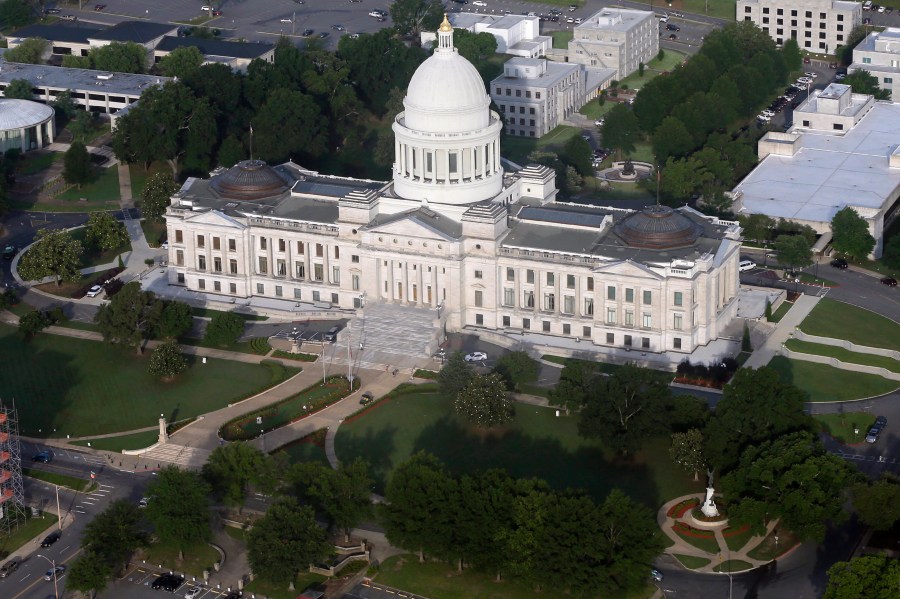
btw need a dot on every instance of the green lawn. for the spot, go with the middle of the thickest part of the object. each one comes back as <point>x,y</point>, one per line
<point>105,188</point>
<point>94,256</point>
<point>831,318</point>
<point>778,314</point>
<point>844,355</point>
<point>303,581</point>
<point>594,110</point>
<point>840,426</point>
<point>154,232</point>
<point>770,549</point>
<point>723,9</point>
<point>655,67</point>
<point>139,176</point>
<point>80,388</point>
<point>209,313</point>
<point>304,451</point>
<point>736,541</point>
<point>691,562</point>
<point>733,565</point>
<point>826,383</point>
<point>32,527</point>
<point>34,162</point>
<point>133,441</point>
<point>709,545</point>
<point>196,559</point>
<point>441,581</point>
<point>518,148</point>
<point>561,39</point>
<point>70,482</point>
<point>535,444</point>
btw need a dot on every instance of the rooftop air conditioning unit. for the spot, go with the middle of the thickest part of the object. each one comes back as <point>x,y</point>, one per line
<point>105,76</point>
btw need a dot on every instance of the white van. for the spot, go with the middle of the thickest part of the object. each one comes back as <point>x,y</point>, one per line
<point>744,265</point>
<point>867,5</point>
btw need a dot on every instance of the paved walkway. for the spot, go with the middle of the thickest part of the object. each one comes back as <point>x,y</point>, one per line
<point>682,547</point>
<point>783,331</point>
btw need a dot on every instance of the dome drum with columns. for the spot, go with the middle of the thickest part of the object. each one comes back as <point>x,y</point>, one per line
<point>447,140</point>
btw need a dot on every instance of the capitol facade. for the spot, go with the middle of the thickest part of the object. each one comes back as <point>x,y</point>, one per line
<point>481,242</point>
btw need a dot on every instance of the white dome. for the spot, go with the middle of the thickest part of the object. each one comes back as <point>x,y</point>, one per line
<point>19,114</point>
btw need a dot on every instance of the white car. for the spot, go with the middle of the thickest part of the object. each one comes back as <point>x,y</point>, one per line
<point>479,3</point>
<point>745,265</point>
<point>143,503</point>
<point>477,356</point>
<point>804,80</point>
<point>768,113</point>
<point>599,122</point>
<point>165,245</point>
<point>286,21</point>
<point>95,291</point>
<point>193,593</point>
<point>376,14</point>
<point>811,75</point>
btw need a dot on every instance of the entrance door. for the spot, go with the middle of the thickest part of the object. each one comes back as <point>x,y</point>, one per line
<point>415,293</point>
<point>428,293</point>
<point>400,291</point>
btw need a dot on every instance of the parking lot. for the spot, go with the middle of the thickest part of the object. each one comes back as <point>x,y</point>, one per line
<point>138,580</point>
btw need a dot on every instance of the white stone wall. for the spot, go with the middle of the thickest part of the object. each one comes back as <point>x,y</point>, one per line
<point>819,26</point>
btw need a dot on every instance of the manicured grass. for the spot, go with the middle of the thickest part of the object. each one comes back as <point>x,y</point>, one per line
<point>733,565</point>
<point>286,355</point>
<point>594,110</point>
<point>809,279</point>
<point>70,482</point>
<point>738,540</point>
<point>34,162</point>
<point>654,68</point>
<point>94,256</point>
<point>533,389</point>
<point>79,325</point>
<point>778,314</point>
<point>132,441</point>
<point>831,318</point>
<point>209,313</point>
<point>30,528</point>
<point>154,232</point>
<point>561,39</point>
<point>236,533</point>
<point>707,544</point>
<point>518,148</point>
<point>305,450</point>
<point>723,9</point>
<point>844,355</point>
<point>303,581</point>
<point>105,188</point>
<point>198,558</point>
<point>691,562</point>
<point>535,444</point>
<point>139,176</point>
<point>441,581</point>
<point>826,383</point>
<point>768,549</point>
<point>840,426</point>
<point>82,388</point>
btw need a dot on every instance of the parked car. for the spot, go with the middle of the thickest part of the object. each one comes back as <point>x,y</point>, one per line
<point>52,11</point>
<point>8,568</point>
<point>745,265</point>
<point>51,538</point>
<point>872,435</point>
<point>54,572</point>
<point>337,27</point>
<point>366,398</point>
<point>94,291</point>
<point>889,281</point>
<point>323,35</point>
<point>673,37</point>
<point>479,3</point>
<point>656,575</point>
<point>143,503</point>
<point>331,334</point>
<point>193,593</point>
<point>286,20</point>
<point>839,263</point>
<point>881,422</point>
<point>9,252</point>
<point>478,356</point>
<point>307,32</point>
<point>45,457</point>
<point>672,27</point>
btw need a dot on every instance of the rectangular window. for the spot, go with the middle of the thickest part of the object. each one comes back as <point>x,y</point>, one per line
<point>590,283</point>
<point>678,298</point>
<point>232,287</point>
<point>567,329</point>
<point>216,243</point>
<point>178,237</point>
<point>354,259</point>
<point>528,299</point>
<point>232,266</point>
<point>506,321</point>
<point>646,321</point>
<point>354,282</point>
<point>201,283</point>
<point>866,60</point>
<point>201,241</point>
<point>179,257</point>
<point>479,298</point>
<point>262,243</point>
<point>611,293</point>
<point>301,248</point>
<point>549,301</point>
<point>648,298</point>
<point>676,322</point>
<point>278,291</point>
<point>629,318</point>
<point>510,274</point>
<point>509,296</point>
<point>263,265</point>
<point>232,245</point>
<point>281,268</point>
<point>320,250</point>
<point>551,279</point>
<point>627,341</point>
<point>335,275</point>
<point>318,272</point>
<point>334,299</point>
<point>611,316</point>
<point>337,253</point>
<point>479,320</point>
<point>586,332</point>
<point>545,325</point>
<point>217,265</point>
<point>260,288</point>
<point>889,80</point>
<point>478,274</point>
<point>629,296</point>
<point>299,270</point>
<point>526,323</point>
<point>676,342</point>
<point>645,342</point>
<point>610,338</point>
<point>588,306</point>
<point>281,245</point>
<point>570,281</point>
<point>569,304</point>
<point>529,277</point>
<point>201,262</point>
<point>297,293</point>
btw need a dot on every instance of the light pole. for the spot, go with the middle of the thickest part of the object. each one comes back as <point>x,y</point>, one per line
<point>52,565</point>
<point>59,516</point>
<point>349,359</point>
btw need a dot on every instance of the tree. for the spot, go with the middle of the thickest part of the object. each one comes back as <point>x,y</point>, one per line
<point>850,233</point>
<point>157,195</point>
<point>130,317</point>
<point>77,168</point>
<point>687,451</point>
<point>176,320</point>
<point>33,322</point>
<point>166,361</point>
<point>411,17</point>
<point>89,574</point>
<point>232,151</point>
<point>30,51</point>
<point>671,138</point>
<point>81,126</point>
<point>575,380</point>
<point>857,34</point>
<point>118,57</point>
<point>65,105</point>
<point>517,367</point>
<point>288,124</point>
<point>891,254</point>
<point>20,89</point>
<point>231,469</point>
<point>178,507</point>
<point>878,503</point>
<point>224,329</point>
<point>344,495</point>
<point>285,541</point>
<point>686,412</point>
<point>105,232</point>
<point>793,60</point>
<point>793,251</point>
<point>757,227</point>
<point>484,401</point>
<point>870,576</point>
<point>455,375</point>
<point>625,408</point>
<point>181,62</point>
<point>114,533</point>
<point>756,406</point>
<point>864,82</point>
<point>54,254</point>
<point>792,478</point>
<point>16,13</point>
<point>620,130</point>
<point>577,153</point>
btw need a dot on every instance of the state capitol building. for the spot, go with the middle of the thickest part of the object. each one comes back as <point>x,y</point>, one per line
<point>488,248</point>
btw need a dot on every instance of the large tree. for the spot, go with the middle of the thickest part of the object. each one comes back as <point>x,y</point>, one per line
<point>620,130</point>
<point>343,495</point>
<point>178,507</point>
<point>30,51</point>
<point>878,503</point>
<point>119,57</point>
<point>288,124</point>
<point>77,167</point>
<point>114,533</point>
<point>671,138</point>
<point>54,254</point>
<point>232,468</point>
<point>756,406</point>
<point>850,233</point>
<point>89,574</point>
<point>157,195</point>
<point>16,13</point>
<point>625,408</point>
<point>455,375</point>
<point>131,317</point>
<point>166,361</point>
<point>176,320</point>
<point>411,17</point>
<point>793,251</point>
<point>793,59</point>
<point>19,89</point>
<point>792,478</point>
<point>484,401</point>
<point>863,82</point>
<point>575,381</point>
<point>285,542</point>
<point>105,232</point>
<point>224,329</point>
<point>181,62</point>
<point>869,576</point>
<point>517,367</point>
<point>687,451</point>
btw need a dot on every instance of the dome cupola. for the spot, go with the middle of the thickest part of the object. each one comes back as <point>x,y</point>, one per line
<point>657,228</point>
<point>249,180</point>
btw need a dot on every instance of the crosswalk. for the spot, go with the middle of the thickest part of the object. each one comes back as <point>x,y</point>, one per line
<point>95,499</point>
<point>172,453</point>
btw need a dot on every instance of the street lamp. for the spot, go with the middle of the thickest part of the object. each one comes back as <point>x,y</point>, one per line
<point>52,565</point>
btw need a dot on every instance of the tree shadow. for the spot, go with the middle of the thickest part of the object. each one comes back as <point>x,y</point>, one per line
<point>375,447</point>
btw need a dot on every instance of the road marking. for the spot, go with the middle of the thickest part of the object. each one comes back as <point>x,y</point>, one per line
<point>29,587</point>
<point>24,577</point>
<point>79,511</point>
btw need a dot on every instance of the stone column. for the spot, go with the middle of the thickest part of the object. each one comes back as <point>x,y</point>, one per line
<point>163,435</point>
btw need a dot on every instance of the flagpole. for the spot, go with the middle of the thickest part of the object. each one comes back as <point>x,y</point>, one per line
<point>251,141</point>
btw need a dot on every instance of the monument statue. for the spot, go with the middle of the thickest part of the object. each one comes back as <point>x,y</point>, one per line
<point>628,169</point>
<point>709,508</point>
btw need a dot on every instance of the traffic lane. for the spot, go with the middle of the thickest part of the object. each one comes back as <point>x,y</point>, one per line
<point>28,581</point>
<point>861,289</point>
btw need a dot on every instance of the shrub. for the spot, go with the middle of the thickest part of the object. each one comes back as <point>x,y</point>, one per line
<point>166,361</point>
<point>32,323</point>
<point>224,329</point>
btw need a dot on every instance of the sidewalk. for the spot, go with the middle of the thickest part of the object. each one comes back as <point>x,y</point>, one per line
<point>784,330</point>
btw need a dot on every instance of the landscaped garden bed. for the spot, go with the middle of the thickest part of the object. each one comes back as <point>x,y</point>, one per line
<point>310,400</point>
<point>428,375</point>
<point>705,540</point>
<point>680,509</point>
<point>714,376</point>
<point>286,355</point>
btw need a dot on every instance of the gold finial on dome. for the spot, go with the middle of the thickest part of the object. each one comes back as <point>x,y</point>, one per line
<point>445,26</point>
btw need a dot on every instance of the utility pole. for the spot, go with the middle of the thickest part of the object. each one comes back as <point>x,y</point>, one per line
<point>59,516</point>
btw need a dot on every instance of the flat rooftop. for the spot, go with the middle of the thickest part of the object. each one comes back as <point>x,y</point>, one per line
<point>614,19</point>
<point>41,75</point>
<point>829,172</point>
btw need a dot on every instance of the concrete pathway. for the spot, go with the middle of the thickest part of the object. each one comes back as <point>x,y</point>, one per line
<point>682,547</point>
<point>784,329</point>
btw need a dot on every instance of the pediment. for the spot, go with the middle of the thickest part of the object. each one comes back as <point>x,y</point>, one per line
<point>216,219</point>
<point>410,226</point>
<point>627,268</point>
